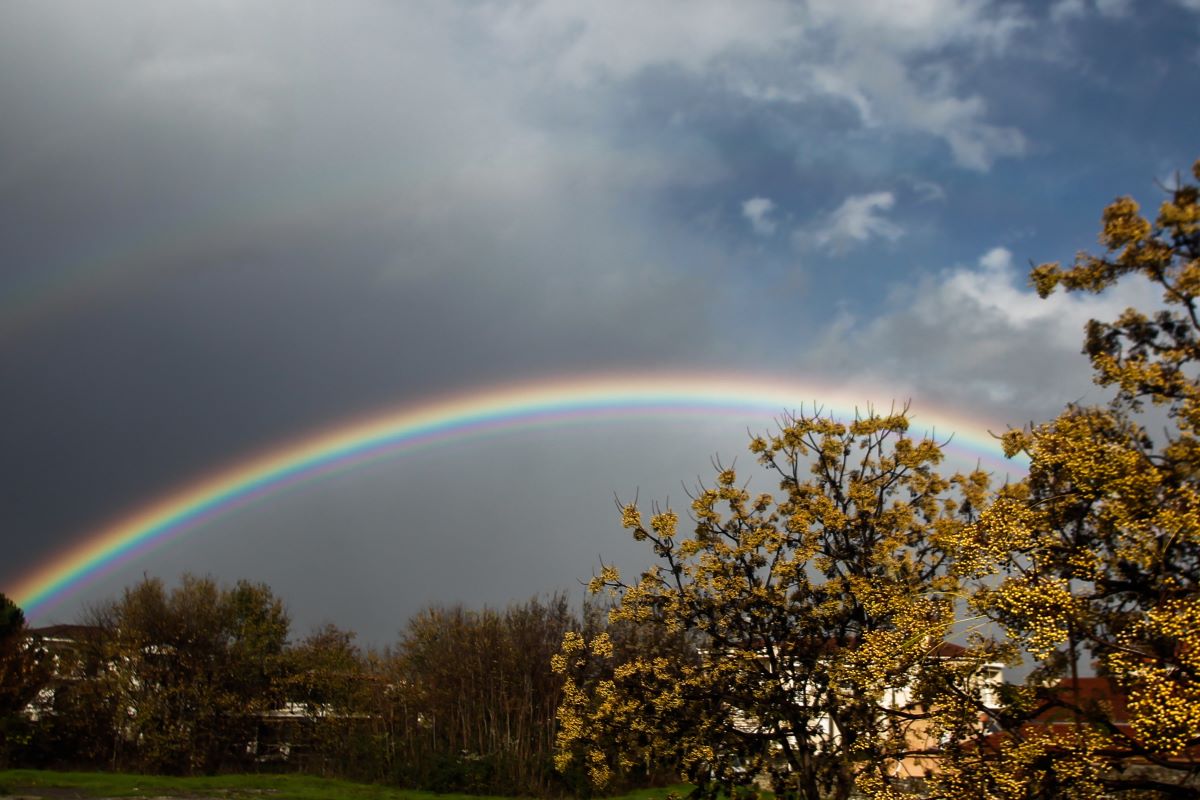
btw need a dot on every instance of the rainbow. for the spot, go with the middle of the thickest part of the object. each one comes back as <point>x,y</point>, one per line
<point>472,414</point>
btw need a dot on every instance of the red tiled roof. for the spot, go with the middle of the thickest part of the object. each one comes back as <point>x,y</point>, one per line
<point>1085,692</point>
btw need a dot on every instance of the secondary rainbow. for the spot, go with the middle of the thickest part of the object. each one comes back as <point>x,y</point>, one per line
<point>494,409</point>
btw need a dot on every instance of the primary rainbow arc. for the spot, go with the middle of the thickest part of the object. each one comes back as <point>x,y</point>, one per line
<point>475,413</point>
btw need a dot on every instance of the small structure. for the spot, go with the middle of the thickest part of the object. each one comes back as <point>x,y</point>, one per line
<point>62,650</point>
<point>987,679</point>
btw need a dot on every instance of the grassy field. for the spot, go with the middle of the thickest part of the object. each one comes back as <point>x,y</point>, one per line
<point>227,787</point>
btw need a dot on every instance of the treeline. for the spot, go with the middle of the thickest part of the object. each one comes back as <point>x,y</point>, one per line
<point>201,678</point>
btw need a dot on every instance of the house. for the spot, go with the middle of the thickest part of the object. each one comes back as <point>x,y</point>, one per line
<point>987,678</point>
<point>1098,704</point>
<point>62,650</point>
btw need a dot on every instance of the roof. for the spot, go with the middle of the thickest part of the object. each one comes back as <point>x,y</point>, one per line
<point>1097,698</point>
<point>1086,692</point>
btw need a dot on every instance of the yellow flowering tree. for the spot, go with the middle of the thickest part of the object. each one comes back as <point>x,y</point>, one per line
<point>1097,553</point>
<point>819,613</point>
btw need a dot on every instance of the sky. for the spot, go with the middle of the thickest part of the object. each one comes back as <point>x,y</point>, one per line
<point>226,225</point>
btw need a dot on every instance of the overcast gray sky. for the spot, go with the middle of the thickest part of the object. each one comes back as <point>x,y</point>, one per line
<point>224,225</point>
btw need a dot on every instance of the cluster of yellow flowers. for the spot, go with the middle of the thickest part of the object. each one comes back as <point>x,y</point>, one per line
<point>1164,696</point>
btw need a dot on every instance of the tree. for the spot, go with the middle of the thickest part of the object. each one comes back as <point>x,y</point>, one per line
<point>193,670</point>
<point>328,678</point>
<point>820,615</point>
<point>1098,550</point>
<point>477,697</point>
<point>13,681</point>
<point>75,726</point>
<point>21,675</point>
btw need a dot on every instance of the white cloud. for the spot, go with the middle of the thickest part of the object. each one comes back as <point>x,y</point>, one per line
<point>929,191</point>
<point>979,337</point>
<point>1067,9</point>
<point>855,221</point>
<point>837,83</point>
<point>896,98</point>
<point>583,41</point>
<point>919,25</point>
<point>758,211</point>
<point>976,145</point>
<point>1114,8</point>
<point>998,295</point>
<point>887,60</point>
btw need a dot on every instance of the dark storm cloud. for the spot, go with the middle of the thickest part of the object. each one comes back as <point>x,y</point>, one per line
<point>224,226</point>
<point>279,223</point>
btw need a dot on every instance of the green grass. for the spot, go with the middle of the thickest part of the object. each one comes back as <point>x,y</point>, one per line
<point>681,790</point>
<point>235,787</point>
